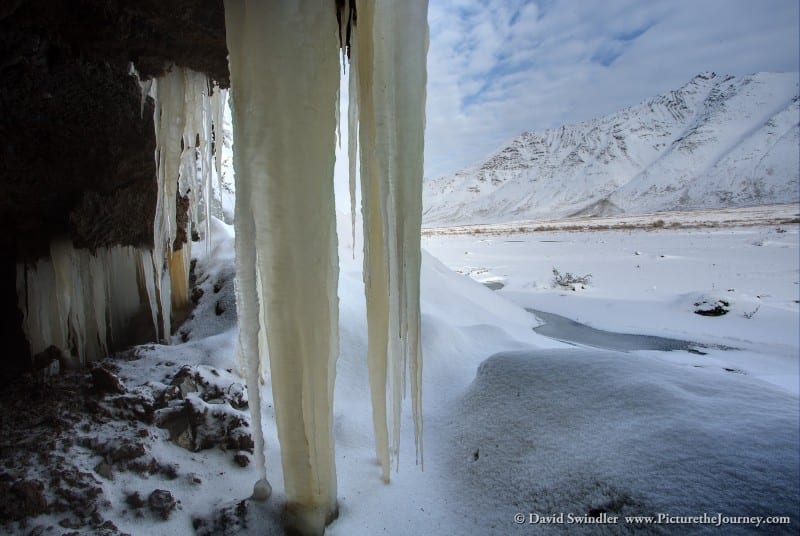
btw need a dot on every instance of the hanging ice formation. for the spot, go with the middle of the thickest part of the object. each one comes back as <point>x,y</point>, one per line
<point>284,70</point>
<point>184,119</point>
<point>81,301</point>
<point>284,79</point>
<point>387,87</point>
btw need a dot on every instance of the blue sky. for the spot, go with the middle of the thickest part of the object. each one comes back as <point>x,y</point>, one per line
<point>499,67</point>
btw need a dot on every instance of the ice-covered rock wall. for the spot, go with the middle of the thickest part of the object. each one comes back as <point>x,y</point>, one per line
<point>82,300</point>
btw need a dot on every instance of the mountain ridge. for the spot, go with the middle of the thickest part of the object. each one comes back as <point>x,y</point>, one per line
<point>716,142</point>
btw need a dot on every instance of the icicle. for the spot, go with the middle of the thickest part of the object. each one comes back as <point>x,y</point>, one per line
<point>147,280</point>
<point>219,101</point>
<point>346,40</point>
<point>127,291</point>
<point>413,66</point>
<point>248,311</point>
<point>37,293</point>
<point>146,90</point>
<point>352,141</point>
<point>338,119</point>
<point>284,75</point>
<point>208,157</point>
<point>375,268</point>
<point>71,304</point>
<point>97,312</point>
<point>391,102</point>
<point>343,21</point>
<point>247,291</point>
<point>144,87</point>
<point>178,272</point>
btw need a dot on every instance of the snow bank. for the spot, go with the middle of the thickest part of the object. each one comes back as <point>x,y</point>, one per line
<point>576,430</point>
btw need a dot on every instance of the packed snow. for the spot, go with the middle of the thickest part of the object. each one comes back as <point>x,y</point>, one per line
<point>649,280</point>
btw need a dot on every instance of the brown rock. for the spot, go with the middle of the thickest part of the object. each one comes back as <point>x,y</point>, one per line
<point>162,503</point>
<point>104,469</point>
<point>105,381</point>
<point>24,498</point>
<point>134,500</point>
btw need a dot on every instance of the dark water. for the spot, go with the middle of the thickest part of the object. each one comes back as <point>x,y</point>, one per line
<point>566,330</point>
<point>494,285</point>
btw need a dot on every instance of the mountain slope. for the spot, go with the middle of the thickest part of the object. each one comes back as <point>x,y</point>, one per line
<point>718,141</point>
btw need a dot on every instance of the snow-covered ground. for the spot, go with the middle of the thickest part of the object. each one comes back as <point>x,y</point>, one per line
<point>518,426</point>
<point>647,281</point>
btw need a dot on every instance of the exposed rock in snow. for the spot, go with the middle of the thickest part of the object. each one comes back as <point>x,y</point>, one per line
<point>161,502</point>
<point>105,381</point>
<point>228,520</point>
<point>201,413</point>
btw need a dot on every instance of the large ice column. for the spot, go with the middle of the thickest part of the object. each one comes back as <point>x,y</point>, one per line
<point>390,82</point>
<point>284,78</point>
<point>38,299</point>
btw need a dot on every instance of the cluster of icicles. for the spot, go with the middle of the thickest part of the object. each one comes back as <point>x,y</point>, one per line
<point>285,73</point>
<point>83,302</point>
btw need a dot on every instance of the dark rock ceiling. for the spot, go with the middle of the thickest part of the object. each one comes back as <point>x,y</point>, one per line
<point>77,153</point>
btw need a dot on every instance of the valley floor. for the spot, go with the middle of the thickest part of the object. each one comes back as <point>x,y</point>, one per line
<point>760,215</point>
<point>647,277</point>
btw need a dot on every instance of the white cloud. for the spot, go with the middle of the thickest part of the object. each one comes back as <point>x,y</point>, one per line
<point>497,68</point>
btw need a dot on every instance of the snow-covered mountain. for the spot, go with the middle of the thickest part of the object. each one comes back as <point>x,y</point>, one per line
<point>719,141</point>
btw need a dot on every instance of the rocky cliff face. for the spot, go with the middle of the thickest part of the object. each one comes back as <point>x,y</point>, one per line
<point>78,144</point>
<point>718,141</point>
